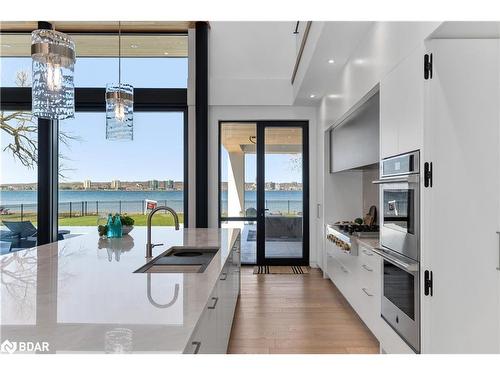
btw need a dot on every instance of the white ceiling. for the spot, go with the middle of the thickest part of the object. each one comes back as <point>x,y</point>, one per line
<point>467,29</point>
<point>337,41</point>
<point>250,50</point>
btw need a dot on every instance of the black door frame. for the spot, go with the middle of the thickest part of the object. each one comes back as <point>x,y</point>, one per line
<point>261,125</point>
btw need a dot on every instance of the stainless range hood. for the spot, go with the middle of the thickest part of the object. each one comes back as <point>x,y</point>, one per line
<point>354,143</point>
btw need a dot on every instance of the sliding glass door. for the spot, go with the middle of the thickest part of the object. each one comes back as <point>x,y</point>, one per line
<point>264,189</point>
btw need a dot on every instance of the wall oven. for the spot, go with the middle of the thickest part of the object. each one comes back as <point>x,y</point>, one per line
<point>400,204</point>
<point>400,244</point>
<point>401,295</point>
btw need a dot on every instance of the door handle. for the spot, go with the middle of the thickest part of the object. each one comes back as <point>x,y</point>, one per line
<point>498,268</point>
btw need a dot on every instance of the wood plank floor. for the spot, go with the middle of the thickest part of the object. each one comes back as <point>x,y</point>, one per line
<point>296,314</point>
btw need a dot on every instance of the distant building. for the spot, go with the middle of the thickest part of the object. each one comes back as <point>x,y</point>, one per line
<point>115,184</point>
<point>153,184</point>
<point>87,184</point>
<point>169,185</point>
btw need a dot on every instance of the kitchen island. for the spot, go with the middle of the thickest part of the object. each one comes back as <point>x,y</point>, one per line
<point>81,295</point>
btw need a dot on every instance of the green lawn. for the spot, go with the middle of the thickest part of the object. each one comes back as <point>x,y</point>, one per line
<point>84,221</point>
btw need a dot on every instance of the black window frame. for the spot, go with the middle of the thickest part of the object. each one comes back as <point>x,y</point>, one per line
<point>93,100</point>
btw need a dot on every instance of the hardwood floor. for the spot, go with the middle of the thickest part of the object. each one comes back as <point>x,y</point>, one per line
<point>296,314</point>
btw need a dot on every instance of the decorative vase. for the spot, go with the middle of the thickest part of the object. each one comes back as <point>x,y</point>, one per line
<point>114,226</point>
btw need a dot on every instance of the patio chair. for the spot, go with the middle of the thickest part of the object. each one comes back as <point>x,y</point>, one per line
<point>23,234</point>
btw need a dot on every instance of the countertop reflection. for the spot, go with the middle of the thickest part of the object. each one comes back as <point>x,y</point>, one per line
<point>82,295</point>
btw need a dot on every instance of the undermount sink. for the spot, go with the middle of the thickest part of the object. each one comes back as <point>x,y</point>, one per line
<point>180,259</point>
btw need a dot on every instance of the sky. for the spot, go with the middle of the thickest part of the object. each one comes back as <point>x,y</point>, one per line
<point>157,149</point>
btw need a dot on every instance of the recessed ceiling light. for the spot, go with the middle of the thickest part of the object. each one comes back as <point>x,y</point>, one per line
<point>331,61</point>
<point>134,46</point>
<point>165,53</point>
<point>334,96</point>
<point>6,45</point>
<point>359,61</point>
<point>312,96</point>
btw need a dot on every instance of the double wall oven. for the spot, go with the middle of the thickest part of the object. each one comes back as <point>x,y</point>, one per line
<point>400,244</point>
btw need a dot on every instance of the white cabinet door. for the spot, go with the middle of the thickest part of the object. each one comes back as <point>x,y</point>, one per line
<point>460,216</point>
<point>389,93</point>
<point>401,107</point>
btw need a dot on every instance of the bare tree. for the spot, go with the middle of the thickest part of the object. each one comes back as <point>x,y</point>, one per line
<point>21,127</point>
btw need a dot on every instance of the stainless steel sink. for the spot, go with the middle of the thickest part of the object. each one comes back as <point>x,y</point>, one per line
<point>180,259</point>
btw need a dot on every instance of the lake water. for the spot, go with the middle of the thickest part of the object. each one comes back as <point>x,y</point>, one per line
<point>133,201</point>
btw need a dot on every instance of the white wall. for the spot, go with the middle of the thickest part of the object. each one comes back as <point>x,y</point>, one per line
<point>251,63</point>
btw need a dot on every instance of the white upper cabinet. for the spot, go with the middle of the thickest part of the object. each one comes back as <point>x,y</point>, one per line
<point>461,210</point>
<point>402,107</point>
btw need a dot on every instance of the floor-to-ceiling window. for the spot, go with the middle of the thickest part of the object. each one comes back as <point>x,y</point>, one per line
<point>238,184</point>
<point>97,176</point>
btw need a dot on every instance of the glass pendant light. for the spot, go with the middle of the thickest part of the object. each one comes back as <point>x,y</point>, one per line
<point>119,106</point>
<point>53,62</point>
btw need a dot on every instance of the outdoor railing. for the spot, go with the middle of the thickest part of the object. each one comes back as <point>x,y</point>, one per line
<point>274,206</point>
<point>27,211</point>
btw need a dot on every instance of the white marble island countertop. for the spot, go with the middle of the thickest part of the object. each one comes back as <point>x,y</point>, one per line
<point>82,295</point>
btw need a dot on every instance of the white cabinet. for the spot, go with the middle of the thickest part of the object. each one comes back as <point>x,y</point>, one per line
<point>359,279</point>
<point>402,106</point>
<point>460,215</point>
<point>211,335</point>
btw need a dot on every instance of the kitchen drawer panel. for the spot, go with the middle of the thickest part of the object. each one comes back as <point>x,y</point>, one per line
<point>368,306</point>
<point>368,257</point>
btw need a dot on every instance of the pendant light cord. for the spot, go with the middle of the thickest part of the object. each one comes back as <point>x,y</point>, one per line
<point>119,59</point>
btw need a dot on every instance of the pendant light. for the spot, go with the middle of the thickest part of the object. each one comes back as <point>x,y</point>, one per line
<point>53,62</point>
<point>119,105</point>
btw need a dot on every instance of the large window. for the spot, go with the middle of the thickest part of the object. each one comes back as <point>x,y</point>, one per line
<point>96,176</point>
<point>18,180</point>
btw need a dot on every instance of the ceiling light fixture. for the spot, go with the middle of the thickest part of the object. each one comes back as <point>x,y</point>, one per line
<point>53,62</point>
<point>6,45</point>
<point>331,61</point>
<point>334,96</point>
<point>134,46</point>
<point>165,53</point>
<point>119,105</point>
<point>312,96</point>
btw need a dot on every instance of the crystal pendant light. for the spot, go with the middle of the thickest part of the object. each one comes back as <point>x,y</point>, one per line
<point>119,106</point>
<point>53,62</point>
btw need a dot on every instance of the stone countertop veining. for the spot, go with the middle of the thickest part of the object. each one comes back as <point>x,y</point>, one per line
<point>82,295</point>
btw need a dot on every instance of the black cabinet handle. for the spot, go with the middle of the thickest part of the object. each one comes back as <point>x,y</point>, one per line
<point>197,345</point>
<point>215,299</point>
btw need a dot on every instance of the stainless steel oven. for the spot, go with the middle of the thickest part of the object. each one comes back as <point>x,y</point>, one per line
<point>400,203</point>
<point>400,244</point>
<point>401,295</point>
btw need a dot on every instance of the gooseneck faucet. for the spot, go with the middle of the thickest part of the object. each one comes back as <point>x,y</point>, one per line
<point>149,245</point>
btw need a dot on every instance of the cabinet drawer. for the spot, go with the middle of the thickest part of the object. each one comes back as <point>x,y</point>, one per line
<point>368,257</point>
<point>368,305</point>
<point>340,275</point>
